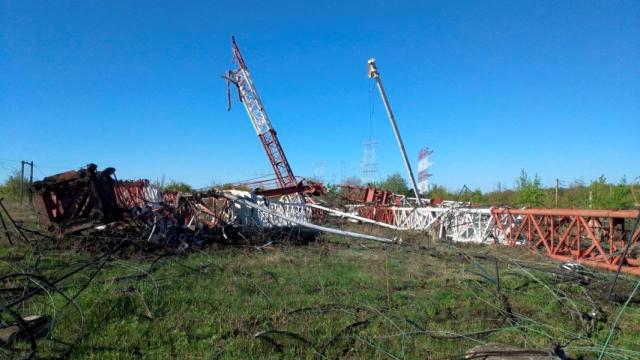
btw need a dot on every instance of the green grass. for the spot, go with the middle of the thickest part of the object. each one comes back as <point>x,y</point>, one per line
<point>333,298</point>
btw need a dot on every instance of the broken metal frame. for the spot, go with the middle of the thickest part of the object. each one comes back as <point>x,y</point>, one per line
<point>459,224</point>
<point>291,220</point>
<point>354,217</point>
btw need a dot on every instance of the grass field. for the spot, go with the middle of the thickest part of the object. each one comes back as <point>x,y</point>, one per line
<point>331,298</point>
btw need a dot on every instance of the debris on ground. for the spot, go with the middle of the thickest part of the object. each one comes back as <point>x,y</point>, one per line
<point>496,351</point>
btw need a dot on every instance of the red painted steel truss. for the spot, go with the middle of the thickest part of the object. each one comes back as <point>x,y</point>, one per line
<point>370,195</point>
<point>592,237</point>
<point>383,214</point>
<point>278,160</point>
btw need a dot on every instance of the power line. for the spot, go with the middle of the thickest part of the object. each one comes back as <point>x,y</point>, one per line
<point>39,171</point>
<point>8,167</point>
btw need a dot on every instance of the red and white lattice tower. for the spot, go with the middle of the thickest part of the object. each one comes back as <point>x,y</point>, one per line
<point>423,167</point>
<point>261,123</point>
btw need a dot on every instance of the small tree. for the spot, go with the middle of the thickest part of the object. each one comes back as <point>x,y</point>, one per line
<point>439,192</point>
<point>530,191</point>
<point>178,186</point>
<point>477,197</point>
<point>599,193</point>
<point>609,196</point>
<point>396,184</point>
<point>576,195</point>
<point>621,197</point>
<point>11,186</point>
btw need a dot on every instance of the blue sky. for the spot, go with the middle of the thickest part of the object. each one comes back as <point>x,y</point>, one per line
<point>491,87</point>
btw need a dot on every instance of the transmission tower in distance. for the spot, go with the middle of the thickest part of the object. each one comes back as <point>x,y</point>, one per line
<point>368,167</point>
<point>423,169</point>
<point>318,172</point>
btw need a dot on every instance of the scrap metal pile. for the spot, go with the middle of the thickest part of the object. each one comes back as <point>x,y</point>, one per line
<point>91,200</point>
<point>91,209</point>
<point>76,200</point>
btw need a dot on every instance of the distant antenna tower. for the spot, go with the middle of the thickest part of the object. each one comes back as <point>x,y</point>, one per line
<point>423,167</point>
<point>368,167</point>
<point>318,173</point>
<point>343,171</point>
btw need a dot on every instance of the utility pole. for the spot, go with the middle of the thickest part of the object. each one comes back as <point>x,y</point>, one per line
<point>373,73</point>
<point>22,164</point>
<point>21,179</point>
<point>557,186</point>
<point>30,182</point>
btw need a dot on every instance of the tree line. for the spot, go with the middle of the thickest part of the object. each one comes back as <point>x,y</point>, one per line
<point>530,192</point>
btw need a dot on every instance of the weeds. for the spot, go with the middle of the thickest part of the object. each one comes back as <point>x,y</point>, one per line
<point>334,298</point>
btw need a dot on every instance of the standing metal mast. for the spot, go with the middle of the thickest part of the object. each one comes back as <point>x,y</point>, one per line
<point>261,123</point>
<point>373,73</point>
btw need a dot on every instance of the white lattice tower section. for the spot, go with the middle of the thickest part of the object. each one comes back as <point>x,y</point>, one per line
<point>454,222</point>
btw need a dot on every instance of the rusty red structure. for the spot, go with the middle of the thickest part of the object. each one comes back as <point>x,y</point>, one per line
<point>591,237</point>
<point>605,239</point>
<point>79,199</point>
<point>303,187</point>
<point>370,195</point>
<point>383,214</point>
<point>376,202</point>
<point>270,188</point>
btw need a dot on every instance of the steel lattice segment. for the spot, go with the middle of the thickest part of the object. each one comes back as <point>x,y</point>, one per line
<point>460,224</point>
<point>238,213</point>
<point>251,101</point>
<point>284,174</point>
<point>592,237</point>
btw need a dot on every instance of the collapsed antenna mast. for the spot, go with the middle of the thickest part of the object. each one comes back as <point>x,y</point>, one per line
<point>373,73</point>
<point>261,123</point>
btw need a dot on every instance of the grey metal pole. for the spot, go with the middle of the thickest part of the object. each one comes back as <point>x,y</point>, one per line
<point>373,73</point>
<point>21,179</point>
<point>30,182</point>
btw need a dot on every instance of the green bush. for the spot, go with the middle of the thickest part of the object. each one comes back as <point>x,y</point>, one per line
<point>396,184</point>
<point>11,186</point>
<point>530,191</point>
<point>179,186</point>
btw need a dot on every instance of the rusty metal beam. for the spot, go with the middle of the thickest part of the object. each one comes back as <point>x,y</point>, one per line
<point>626,214</point>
